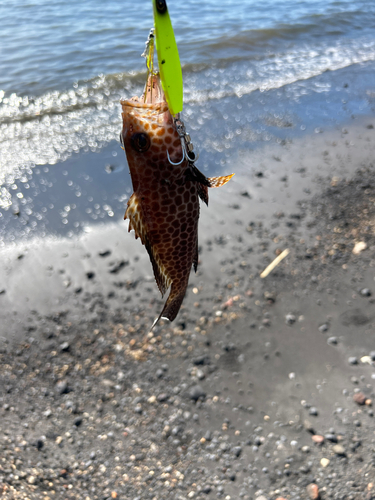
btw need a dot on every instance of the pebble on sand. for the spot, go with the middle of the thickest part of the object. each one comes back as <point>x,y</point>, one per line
<point>324,462</point>
<point>308,426</point>
<point>332,341</point>
<point>313,491</point>
<point>318,439</point>
<point>290,319</point>
<point>359,247</point>
<point>366,360</point>
<point>339,450</point>
<point>323,328</point>
<point>352,360</point>
<point>197,392</point>
<point>359,398</point>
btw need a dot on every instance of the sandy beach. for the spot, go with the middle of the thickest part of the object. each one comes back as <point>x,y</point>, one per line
<point>261,388</point>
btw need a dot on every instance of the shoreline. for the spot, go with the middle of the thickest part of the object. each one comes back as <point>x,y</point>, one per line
<point>253,392</point>
<point>274,184</point>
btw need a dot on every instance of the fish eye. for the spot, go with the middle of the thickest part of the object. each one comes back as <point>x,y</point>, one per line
<point>140,142</point>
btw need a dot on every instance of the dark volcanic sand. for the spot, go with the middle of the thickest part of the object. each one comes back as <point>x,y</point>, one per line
<point>225,402</point>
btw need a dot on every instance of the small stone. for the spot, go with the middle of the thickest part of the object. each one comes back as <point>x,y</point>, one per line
<point>105,253</point>
<point>78,421</point>
<point>62,387</point>
<point>207,436</point>
<point>352,360</point>
<point>202,360</point>
<point>372,355</point>
<point>313,491</point>
<point>366,360</point>
<point>270,297</point>
<point>359,398</point>
<point>163,397</point>
<point>339,450</point>
<point>359,247</point>
<point>308,426</point>
<point>305,449</point>
<point>324,328</point>
<point>313,411</point>
<point>206,489</point>
<point>31,479</point>
<point>324,462</point>
<point>237,450</point>
<point>331,437</point>
<point>196,392</point>
<point>332,341</point>
<point>366,292</point>
<point>318,439</point>
<point>39,443</point>
<point>64,347</point>
<point>290,319</point>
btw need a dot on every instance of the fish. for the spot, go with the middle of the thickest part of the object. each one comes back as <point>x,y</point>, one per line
<point>164,208</point>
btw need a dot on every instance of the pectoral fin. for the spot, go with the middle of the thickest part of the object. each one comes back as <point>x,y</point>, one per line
<point>216,182</point>
<point>204,182</point>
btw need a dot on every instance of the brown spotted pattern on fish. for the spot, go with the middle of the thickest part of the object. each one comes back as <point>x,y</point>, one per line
<point>164,208</point>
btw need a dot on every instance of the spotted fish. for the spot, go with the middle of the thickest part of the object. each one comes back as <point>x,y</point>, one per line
<point>163,211</point>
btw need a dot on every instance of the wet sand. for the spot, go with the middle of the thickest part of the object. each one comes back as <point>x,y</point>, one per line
<point>260,388</point>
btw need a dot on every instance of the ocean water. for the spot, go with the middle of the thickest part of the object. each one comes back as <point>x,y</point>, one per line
<point>254,72</point>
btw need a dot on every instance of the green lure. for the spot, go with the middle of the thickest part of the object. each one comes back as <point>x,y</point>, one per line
<point>168,58</point>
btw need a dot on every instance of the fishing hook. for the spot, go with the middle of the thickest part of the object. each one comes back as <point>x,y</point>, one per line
<point>186,144</point>
<point>185,154</point>
<point>178,163</point>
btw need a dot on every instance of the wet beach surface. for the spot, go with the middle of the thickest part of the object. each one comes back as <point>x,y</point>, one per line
<point>261,388</point>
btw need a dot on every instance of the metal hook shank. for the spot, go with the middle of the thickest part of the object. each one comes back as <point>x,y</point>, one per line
<point>178,163</point>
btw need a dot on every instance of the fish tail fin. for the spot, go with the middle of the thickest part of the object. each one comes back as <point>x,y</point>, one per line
<point>216,182</point>
<point>173,303</point>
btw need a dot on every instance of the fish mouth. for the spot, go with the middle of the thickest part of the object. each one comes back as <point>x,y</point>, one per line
<point>153,93</point>
<point>152,98</point>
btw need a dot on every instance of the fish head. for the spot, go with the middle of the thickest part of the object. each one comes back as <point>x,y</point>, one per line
<point>149,133</point>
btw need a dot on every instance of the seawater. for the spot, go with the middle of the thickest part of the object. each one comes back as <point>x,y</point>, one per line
<point>254,72</point>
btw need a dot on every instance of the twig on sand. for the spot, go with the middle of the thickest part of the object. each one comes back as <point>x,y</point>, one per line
<point>274,263</point>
